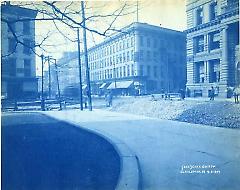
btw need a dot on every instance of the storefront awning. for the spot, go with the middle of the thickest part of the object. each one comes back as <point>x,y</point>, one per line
<point>121,84</point>
<point>103,85</point>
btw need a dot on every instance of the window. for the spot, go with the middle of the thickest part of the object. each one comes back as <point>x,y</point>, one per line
<point>141,40</point>
<point>148,42</point>
<point>214,71</point>
<point>120,69</point>
<point>26,27</point>
<point>132,55</point>
<point>155,42</point>
<point>124,58</point>
<point>127,43</point>
<point>214,40</point>
<point>199,16</point>
<point>128,70</point>
<point>155,71</point>
<point>124,71</point>
<point>141,56</point>
<point>12,45</point>
<point>27,46</point>
<point>132,41</point>
<point>155,56</point>
<point>120,45</point>
<point>11,67</point>
<point>127,56</point>
<point>148,70</point>
<point>123,44</point>
<point>199,72</point>
<point>213,10</point>
<point>199,44</point>
<point>141,70</point>
<point>27,67</point>
<point>149,56</point>
<point>132,70</point>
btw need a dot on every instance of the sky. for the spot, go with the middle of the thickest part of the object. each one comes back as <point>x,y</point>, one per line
<point>167,13</point>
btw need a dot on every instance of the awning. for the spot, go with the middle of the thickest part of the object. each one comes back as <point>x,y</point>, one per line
<point>103,85</point>
<point>122,84</point>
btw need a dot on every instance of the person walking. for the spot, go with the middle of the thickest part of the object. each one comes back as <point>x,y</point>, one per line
<point>212,93</point>
<point>110,97</point>
<point>236,94</point>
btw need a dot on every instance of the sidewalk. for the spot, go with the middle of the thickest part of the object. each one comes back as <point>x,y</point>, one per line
<point>172,155</point>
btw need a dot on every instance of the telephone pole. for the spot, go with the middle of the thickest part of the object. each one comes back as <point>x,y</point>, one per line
<point>49,78</point>
<point>58,88</point>
<point>86,58</point>
<point>42,98</point>
<point>80,71</point>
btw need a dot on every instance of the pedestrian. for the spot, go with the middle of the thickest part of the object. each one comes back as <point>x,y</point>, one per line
<point>212,93</point>
<point>182,94</point>
<point>236,94</point>
<point>109,97</point>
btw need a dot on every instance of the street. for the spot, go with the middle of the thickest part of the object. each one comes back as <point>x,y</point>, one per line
<point>173,155</point>
<point>44,154</point>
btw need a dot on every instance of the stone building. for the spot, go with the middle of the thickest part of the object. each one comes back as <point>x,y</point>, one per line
<point>141,58</point>
<point>18,61</point>
<point>212,46</point>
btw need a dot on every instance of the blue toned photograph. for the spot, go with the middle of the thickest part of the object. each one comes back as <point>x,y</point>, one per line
<point>120,95</point>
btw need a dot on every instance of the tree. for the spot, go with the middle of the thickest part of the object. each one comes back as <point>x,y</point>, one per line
<point>59,14</point>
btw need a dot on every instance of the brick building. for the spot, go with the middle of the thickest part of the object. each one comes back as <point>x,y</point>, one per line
<point>142,57</point>
<point>18,61</point>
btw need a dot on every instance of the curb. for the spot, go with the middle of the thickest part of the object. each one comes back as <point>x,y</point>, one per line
<point>130,171</point>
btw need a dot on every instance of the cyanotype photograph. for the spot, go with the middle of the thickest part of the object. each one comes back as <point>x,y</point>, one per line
<point>120,95</point>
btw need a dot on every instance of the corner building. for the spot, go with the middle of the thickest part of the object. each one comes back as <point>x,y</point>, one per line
<point>142,58</point>
<point>212,46</point>
<point>18,66</point>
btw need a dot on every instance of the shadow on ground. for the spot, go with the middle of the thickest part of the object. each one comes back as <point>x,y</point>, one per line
<point>42,153</point>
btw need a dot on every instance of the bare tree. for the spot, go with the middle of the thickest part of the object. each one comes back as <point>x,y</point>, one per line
<point>104,14</point>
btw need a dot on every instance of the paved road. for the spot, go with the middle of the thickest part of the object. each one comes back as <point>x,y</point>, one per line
<point>41,153</point>
<point>165,147</point>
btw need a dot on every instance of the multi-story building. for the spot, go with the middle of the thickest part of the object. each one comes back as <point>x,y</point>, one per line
<point>212,46</point>
<point>141,57</point>
<point>18,60</point>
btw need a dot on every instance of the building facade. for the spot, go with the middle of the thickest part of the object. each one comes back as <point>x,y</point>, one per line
<point>18,64</point>
<point>142,57</point>
<point>212,46</point>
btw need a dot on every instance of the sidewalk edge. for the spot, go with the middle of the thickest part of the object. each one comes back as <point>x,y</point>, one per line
<point>130,171</point>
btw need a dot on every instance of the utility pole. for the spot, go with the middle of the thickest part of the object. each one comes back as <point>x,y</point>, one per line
<point>59,95</point>
<point>42,98</point>
<point>137,11</point>
<point>114,70</point>
<point>49,78</point>
<point>86,58</point>
<point>80,71</point>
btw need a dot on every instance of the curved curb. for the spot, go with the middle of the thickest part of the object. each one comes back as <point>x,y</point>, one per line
<point>130,171</point>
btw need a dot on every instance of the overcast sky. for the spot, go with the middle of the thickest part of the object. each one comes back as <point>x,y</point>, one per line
<point>167,13</point>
